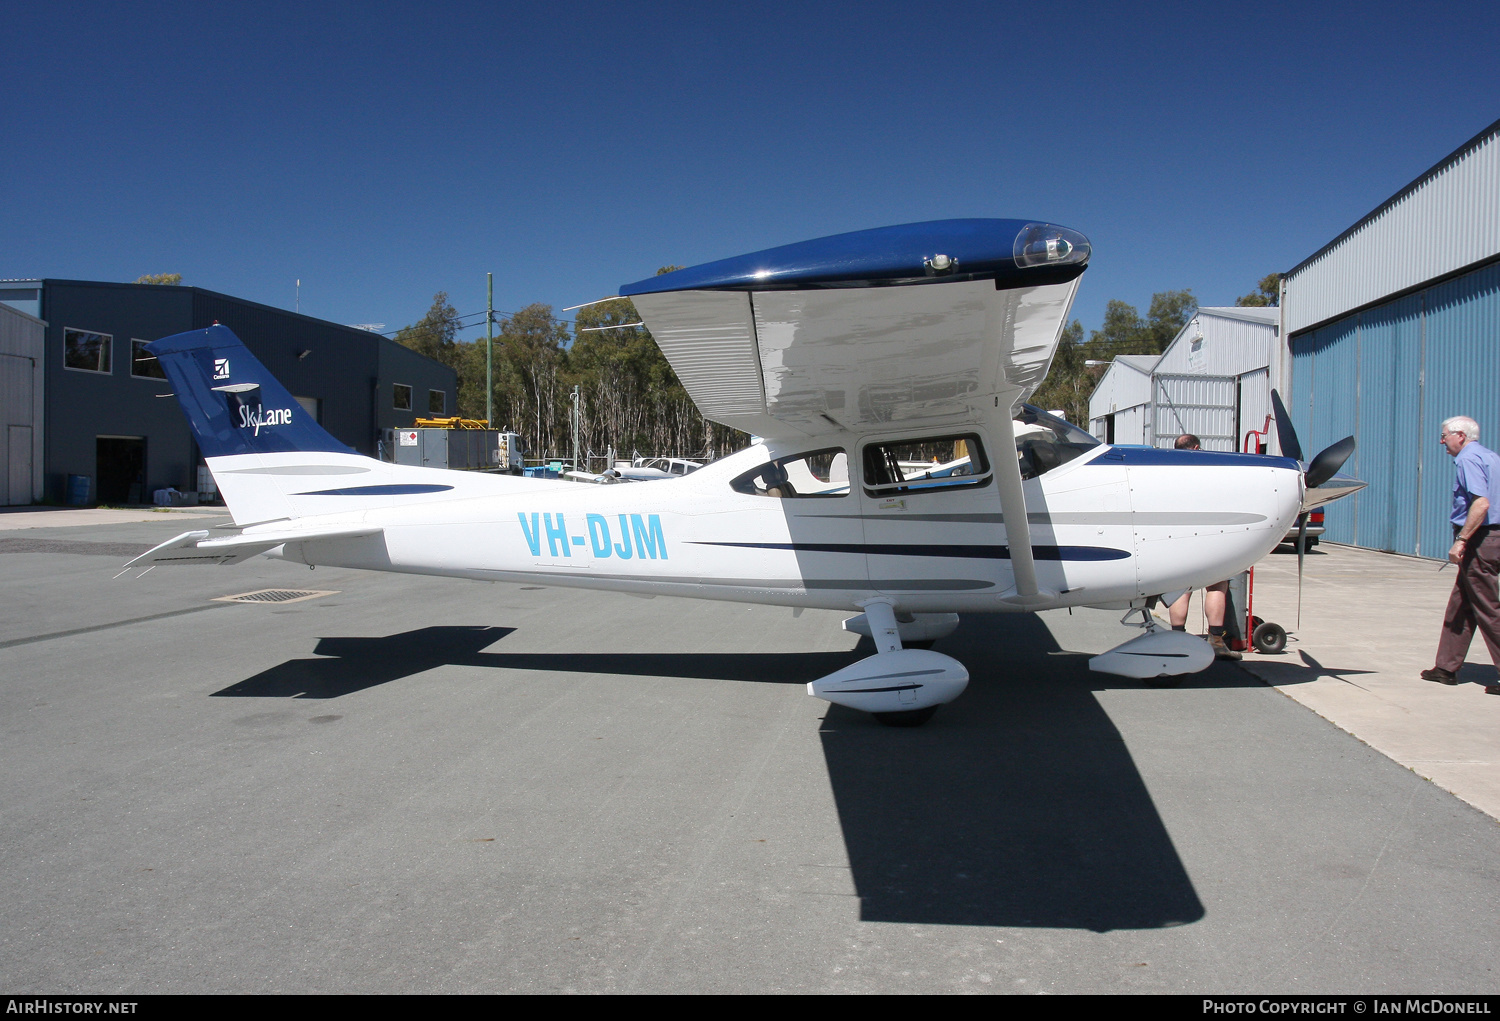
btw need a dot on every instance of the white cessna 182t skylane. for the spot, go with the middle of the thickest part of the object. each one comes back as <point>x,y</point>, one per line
<point>896,471</point>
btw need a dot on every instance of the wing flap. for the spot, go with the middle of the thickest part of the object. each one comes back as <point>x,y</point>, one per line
<point>709,337</point>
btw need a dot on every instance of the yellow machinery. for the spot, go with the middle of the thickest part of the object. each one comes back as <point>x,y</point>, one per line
<point>451,423</point>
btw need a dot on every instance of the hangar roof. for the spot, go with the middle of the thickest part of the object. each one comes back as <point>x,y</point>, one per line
<point>1440,224</point>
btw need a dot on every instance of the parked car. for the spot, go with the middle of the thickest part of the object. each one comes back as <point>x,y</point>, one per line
<point>1314,529</point>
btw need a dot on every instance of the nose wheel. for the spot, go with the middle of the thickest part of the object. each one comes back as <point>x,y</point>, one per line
<point>909,718</point>
<point>1268,638</point>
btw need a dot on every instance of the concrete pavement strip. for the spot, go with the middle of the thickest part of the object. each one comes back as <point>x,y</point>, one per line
<point>67,517</point>
<point>1370,624</point>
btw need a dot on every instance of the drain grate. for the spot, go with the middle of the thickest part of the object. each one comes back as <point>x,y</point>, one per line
<point>275,595</point>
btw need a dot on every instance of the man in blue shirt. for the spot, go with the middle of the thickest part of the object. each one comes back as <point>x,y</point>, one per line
<point>1475,601</point>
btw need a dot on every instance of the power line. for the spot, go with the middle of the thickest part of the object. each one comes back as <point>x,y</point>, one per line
<point>499,315</point>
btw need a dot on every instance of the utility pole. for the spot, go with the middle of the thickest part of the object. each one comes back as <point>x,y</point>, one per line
<point>576,398</point>
<point>489,357</point>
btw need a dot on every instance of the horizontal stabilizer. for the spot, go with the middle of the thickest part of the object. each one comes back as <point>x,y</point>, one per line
<point>197,548</point>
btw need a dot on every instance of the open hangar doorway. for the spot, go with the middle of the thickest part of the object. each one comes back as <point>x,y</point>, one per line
<point>120,463</point>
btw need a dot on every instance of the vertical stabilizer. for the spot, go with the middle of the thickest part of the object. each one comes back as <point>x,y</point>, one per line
<point>232,403</point>
<point>253,433</point>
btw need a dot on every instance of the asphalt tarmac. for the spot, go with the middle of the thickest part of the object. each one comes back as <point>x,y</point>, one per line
<point>423,785</point>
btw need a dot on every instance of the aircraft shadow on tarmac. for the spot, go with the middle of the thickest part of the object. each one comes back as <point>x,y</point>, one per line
<point>1018,806</point>
<point>354,664</point>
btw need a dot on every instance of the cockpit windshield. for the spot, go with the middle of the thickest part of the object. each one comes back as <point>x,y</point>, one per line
<point>1044,441</point>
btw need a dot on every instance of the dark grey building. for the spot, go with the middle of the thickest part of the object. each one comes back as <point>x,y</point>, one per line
<point>104,417</point>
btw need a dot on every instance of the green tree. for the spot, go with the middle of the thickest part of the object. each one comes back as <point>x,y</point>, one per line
<point>1069,381</point>
<point>1125,332</point>
<point>436,333</point>
<point>160,278</point>
<point>1168,314</point>
<point>530,389</point>
<point>633,401</point>
<point>1267,293</point>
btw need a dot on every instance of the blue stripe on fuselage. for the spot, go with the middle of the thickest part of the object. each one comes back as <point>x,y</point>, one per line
<point>1143,456</point>
<point>957,551</point>
<point>399,489</point>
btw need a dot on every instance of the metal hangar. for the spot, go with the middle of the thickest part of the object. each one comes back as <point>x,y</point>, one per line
<point>1392,327</point>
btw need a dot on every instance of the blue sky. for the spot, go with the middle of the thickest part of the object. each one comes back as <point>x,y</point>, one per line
<point>381,152</point>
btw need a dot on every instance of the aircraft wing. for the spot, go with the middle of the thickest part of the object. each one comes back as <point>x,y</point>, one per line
<point>930,324</point>
<point>197,548</point>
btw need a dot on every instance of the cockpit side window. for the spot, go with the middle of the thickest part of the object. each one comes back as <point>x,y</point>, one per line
<point>913,466</point>
<point>821,473</point>
<point>1044,441</point>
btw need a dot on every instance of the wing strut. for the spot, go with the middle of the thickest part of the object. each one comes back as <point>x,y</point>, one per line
<point>1007,468</point>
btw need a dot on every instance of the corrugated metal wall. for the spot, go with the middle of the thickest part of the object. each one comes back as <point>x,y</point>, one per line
<point>1130,425</point>
<point>1205,406</point>
<point>1445,220</point>
<point>1463,378</point>
<point>1121,387</point>
<point>1389,376</point>
<point>1231,345</point>
<point>21,399</point>
<point>1389,353</point>
<point>1255,406</point>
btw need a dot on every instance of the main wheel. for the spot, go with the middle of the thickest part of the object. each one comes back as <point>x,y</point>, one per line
<point>906,718</point>
<point>1268,638</point>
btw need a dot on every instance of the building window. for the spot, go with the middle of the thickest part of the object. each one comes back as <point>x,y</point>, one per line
<point>87,351</point>
<point>143,363</point>
<point>437,402</point>
<point>403,398</point>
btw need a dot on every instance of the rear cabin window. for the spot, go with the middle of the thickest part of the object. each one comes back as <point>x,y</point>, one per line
<point>822,473</point>
<point>913,466</point>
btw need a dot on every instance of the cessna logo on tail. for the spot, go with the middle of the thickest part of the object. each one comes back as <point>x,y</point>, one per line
<point>221,368</point>
<point>257,417</point>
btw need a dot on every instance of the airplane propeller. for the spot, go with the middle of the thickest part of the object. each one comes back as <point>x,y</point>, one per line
<point>1328,462</point>
<point>1323,468</point>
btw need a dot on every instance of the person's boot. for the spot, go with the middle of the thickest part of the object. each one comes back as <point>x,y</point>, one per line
<point>1221,649</point>
<point>1440,675</point>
